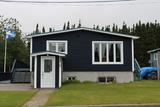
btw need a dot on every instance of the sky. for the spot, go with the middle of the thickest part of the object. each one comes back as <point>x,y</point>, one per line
<point>55,15</point>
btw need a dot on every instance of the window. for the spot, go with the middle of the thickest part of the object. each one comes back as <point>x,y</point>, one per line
<point>57,46</point>
<point>71,78</point>
<point>107,52</point>
<point>155,56</point>
<point>106,79</point>
<point>111,79</point>
<point>101,79</point>
<point>47,65</point>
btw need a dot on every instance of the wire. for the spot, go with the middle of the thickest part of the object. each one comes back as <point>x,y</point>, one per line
<point>63,2</point>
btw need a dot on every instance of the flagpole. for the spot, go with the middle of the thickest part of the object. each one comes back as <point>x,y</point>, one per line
<point>5,55</point>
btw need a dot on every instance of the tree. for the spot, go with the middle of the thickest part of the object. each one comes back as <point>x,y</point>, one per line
<point>37,29</point>
<point>73,26</point>
<point>102,28</point>
<point>50,29</point>
<point>43,30</point>
<point>107,28</point>
<point>16,47</point>
<point>68,26</point>
<point>79,24</point>
<point>97,28</point>
<point>64,26</point>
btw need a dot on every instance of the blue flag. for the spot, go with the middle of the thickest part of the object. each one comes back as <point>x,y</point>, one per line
<point>10,35</point>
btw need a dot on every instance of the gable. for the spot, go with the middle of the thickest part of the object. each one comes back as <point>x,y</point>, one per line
<point>85,29</point>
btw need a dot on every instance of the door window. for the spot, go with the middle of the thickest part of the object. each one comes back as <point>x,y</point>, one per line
<point>47,65</point>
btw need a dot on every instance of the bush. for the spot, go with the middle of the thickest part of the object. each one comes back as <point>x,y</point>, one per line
<point>71,81</point>
<point>86,82</point>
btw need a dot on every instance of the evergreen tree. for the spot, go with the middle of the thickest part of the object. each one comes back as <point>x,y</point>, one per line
<point>94,27</point>
<point>53,29</point>
<point>102,28</point>
<point>97,28</point>
<point>68,25</point>
<point>79,24</point>
<point>43,30</point>
<point>107,28</point>
<point>73,26</point>
<point>37,29</point>
<point>50,29</point>
<point>64,26</point>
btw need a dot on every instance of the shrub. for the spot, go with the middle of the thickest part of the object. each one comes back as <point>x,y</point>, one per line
<point>86,82</point>
<point>71,81</point>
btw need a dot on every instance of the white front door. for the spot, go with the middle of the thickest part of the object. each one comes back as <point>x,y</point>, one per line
<point>47,72</point>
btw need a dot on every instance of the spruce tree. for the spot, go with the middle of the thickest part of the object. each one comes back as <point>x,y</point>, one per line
<point>94,27</point>
<point>64,26</point>
<point>50,29</point>
<point>73,26</point>
<point>68,25</point>
<point>37,29</point>
<point>43,30</point>
<point>97,28</point>
<point>102,28</point>
<point>79,24</point>
<point>107,28</point>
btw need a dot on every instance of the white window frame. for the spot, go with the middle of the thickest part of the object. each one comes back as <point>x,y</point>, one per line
<point>155,56</point>
<point>58,41</point>
<point>100,50</point>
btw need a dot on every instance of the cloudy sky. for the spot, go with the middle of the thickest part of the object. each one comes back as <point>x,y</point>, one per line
<point>54,15</point>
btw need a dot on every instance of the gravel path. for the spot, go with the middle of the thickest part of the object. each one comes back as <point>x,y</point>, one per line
<point>15,87</point>
<point>40,98</point>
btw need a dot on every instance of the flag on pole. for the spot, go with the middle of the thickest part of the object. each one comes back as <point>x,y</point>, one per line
<point>10,35</point>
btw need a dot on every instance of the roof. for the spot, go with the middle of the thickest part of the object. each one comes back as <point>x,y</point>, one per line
<point>48,53</point>
<point>154,50</point>
<point>83,28</point>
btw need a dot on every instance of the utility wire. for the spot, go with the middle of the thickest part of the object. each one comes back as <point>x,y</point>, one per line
<point>63,2</point>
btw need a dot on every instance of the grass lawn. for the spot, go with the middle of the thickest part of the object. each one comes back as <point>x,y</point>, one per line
<point>93,93</point>
<point>14,98</point>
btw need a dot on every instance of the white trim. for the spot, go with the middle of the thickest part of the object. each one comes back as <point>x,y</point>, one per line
<point>154,50</point>
<point>47,53</point>
<point>122,53</point>
<point>60,72</point>
<point>132,54</point>
<point>51,75</point>
<point>93,53</point>
<point>30,55</point>
<point>114,50</point>
<point>84,28</point>
<point>57,41</point>
<point>107,53</point>
<point>100,52</point>
<point>35,72</point>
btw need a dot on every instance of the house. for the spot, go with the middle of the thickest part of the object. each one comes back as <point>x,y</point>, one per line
<point>84,54</point>
<point>154,57</point>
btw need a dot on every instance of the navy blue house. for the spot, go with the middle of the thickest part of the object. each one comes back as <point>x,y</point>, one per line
<point>83,54</point>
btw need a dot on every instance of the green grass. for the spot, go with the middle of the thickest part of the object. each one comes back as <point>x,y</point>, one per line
<point>93,93</point>
<point>14,98</point>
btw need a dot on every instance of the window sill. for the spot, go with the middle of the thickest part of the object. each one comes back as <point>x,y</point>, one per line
<point>107,63</point>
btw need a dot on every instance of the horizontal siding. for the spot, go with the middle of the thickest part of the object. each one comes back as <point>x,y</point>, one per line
<point>79,56</point>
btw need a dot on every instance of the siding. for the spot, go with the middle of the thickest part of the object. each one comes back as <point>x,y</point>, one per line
<point>38,71</point>
<point>158,58</point>
<point>79,56</point>
<point>57,72</point>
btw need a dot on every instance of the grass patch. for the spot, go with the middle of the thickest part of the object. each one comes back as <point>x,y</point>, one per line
<point>93,93</point>
<point>14,98</point>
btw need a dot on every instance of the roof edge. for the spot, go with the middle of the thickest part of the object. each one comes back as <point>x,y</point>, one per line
<point>84,28</point>
<point>153,50</point>
<point>48,53</point>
